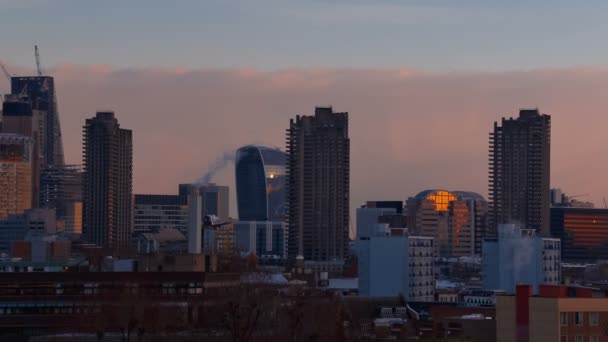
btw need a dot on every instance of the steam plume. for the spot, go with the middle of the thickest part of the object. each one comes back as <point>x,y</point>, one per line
<point>217,165</point>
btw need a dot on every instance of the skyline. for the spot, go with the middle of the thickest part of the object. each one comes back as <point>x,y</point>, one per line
<point>390,110</point>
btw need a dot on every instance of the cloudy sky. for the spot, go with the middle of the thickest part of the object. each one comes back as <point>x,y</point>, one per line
<point>423,81</point>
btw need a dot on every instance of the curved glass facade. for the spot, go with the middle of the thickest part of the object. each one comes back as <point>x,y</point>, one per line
<point>260,183</point>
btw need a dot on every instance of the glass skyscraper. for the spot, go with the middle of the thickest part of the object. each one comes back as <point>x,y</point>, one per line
<point>260,183</point>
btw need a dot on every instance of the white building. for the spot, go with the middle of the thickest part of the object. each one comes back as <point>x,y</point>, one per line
<point>518,256</point>
<point>391,263</point>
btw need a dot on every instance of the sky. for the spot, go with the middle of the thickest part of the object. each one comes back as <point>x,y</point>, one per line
<point>423,82</point>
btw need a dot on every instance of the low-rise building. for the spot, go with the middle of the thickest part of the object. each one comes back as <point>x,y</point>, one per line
<point>519,256</point>
<point>557,313</point>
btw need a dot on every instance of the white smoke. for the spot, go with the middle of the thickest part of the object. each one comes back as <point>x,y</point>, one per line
<point>217,165</point>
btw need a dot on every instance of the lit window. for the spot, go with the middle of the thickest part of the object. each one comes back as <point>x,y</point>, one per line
<point>563,318</point>
<point>578,318</point>
<point>593,318</point>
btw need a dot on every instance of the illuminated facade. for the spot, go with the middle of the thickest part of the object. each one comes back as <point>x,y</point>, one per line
<point>456,220</point>
<point>584,232</point>
<point>15,174</point>
<point>519,169</point>
<point>260,183</point>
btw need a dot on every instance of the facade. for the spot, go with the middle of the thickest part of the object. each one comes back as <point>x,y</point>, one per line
<point>61,189</point>
<point>518,256</point>
<point>18,117</point>
<point>583,231</point>
<point>40,90</point>
<point>368,217</point>
<point>520,159</point>
<point>456,220</point>
<point>107,182</point>
<point>260,183</point>
<point>151,213</point>
<point>391,264</point>
<point>267,240</point>
<point>15,174</point>
<point>18,227</point>
<point>215,199</point>
<point>557,313</point>
<point>318,183</point>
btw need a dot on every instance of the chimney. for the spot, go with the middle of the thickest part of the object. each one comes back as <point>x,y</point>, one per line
<point>195,221</point>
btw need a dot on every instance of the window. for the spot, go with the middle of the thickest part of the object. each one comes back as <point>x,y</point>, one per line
<point>578,339</point>
<point>578,318</point>
<point>563,318</point>
<point>593,318</point>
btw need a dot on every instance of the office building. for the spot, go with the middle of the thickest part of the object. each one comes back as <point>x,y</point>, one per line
<point>40,90</point>
<point>583,231</point>
<point>557,313</point>
<point>260,183</point>
<point>457,220</point>
<point>15,174</point>
<point>18,117</point>
<point>370,214</point>
<point>215,200</point>
<point>318,182</point>
<point>107,182</point>
<point>519,170</point>
<point>61,189</point>
<point>151,213</point>
<point>392,263</point>
<point>519,256</point>
<point>266,239</point>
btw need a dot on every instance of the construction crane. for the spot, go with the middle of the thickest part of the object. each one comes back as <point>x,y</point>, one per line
<point>6,73</point>
<point>38,68</point>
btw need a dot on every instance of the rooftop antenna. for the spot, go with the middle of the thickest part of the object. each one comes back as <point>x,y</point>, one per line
<point>38,68</point>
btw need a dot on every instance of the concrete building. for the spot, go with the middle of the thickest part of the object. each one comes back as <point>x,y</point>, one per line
<point>260,183</point>
<point>215,199</point>
<point>556,313</point>
<point>195,221</point>
<point>520,159</point>
<point>40,91</point>
<point>392,262</point>
<point>18,117</point>
<point>31,222</point>
<point>107,182</point>
<point>267,240</point>
<point>166,240</point>
<point>15,174</point>
<point>318,182</point>
<point>520,256</point>
<point>456,220</point>
<point>583,231</point>
<point>151,213</point>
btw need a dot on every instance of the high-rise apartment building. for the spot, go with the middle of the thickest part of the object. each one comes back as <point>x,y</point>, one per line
<point>260,183</point>
<point>215,200</point>
<point>107,181</point>
<point>40,90</point>
<point>318,186</point>
<point>457,220</point>
<point>15,174</point>
<point>519,171</point>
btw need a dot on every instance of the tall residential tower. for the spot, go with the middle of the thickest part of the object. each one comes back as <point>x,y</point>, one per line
<point>519,171</point>
<point>107,181</point>
<point>318,186</point>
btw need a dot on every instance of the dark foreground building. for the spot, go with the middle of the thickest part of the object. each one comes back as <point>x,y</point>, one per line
<point>107,182</point>
<point>318,170</point>
<point>519,171</point>
<point>584,233</point>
